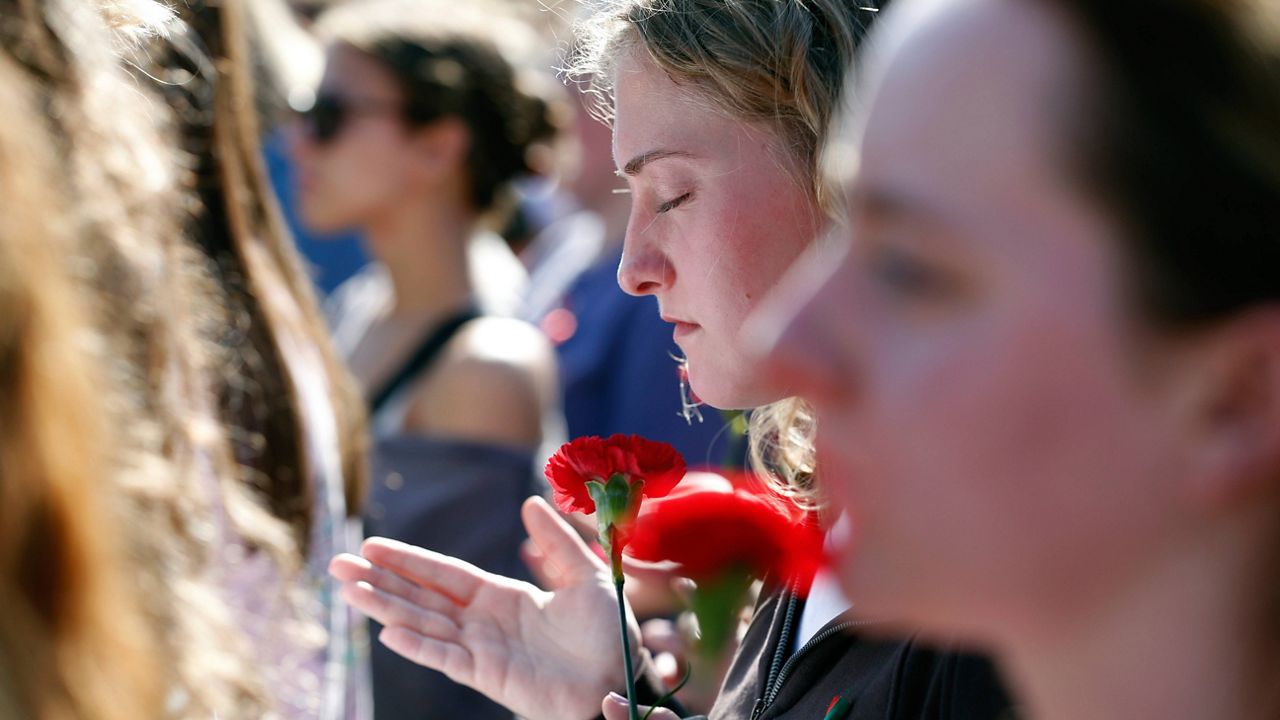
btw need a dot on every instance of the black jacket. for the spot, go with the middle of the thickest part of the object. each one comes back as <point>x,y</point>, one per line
<point>843,675</point>
<point>872,679</point>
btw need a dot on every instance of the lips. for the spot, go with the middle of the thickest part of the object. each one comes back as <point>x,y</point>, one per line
<point>683,328</point>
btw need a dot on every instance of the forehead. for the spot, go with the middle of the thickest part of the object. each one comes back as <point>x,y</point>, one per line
<point>969,94</point>
<point>352,69</point>
<point>653,112</point>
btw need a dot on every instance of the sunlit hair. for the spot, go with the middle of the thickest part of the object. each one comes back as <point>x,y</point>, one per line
<point>147,290</point>
<point>266,305</point>
<point>200,425</point>
<point>259,276</point>
<point>778,64</point>
<point>73,641</point>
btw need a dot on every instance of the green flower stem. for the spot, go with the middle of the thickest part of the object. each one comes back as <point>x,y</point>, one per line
<point>632,712</point>
<point>616,561</point>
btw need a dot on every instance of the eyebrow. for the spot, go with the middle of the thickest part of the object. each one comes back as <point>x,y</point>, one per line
<point>886,202</point>
<point>637,163</point>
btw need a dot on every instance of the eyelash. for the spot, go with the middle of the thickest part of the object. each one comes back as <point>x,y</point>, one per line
<point>673,203</point>
<point>908,274</point>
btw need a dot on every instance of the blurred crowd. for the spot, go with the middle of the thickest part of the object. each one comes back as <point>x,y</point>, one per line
<point>277,276</point>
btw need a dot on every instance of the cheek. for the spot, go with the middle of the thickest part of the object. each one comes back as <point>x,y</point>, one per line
<point>747,243</point>
<point>355,176</point>
<point>730,276</point>
<point>996,465</point>
<point>729,250</point>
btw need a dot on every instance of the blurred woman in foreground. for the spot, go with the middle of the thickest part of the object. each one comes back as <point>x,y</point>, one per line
<point>1051,400</point>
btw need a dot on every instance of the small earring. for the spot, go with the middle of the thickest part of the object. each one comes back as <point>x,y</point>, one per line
<point>690,403</point>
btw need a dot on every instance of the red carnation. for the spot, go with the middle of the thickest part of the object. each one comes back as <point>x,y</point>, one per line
<point>611,478</point>
<point>722,536</point>
<point>708,532</point>
<point>591,459</point>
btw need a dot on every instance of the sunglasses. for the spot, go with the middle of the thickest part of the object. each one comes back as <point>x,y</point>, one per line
<point>329,114</point>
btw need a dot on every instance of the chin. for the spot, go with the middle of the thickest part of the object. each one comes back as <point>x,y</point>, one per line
<point>724,393</point>
<point>321,223</point>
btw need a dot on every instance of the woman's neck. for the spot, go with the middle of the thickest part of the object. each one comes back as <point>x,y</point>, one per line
<point>1180,642</point>
<point>424,251</point>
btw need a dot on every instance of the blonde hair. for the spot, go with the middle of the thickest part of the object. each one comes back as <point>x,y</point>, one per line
<point>145,249</point>
<point>73,643</point>
<point>777,63</point>
<point>149,293</point>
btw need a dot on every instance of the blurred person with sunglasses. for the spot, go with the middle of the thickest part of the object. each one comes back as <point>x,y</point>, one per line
<point>418,129</point>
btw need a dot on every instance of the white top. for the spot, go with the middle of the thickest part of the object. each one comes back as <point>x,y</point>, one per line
<point>826,602</point>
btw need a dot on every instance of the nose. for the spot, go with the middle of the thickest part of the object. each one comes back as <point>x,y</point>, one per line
<point>645,268</point>
<point>298,139</point>
<point>802,333</point>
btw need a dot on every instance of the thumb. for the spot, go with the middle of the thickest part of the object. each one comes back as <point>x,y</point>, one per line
<point>568,559</point>
<point>614,707</point>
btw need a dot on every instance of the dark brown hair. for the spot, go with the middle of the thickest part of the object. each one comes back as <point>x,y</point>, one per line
<point>257,278</point>
<point>1183,144</point>
<point>448,64</point>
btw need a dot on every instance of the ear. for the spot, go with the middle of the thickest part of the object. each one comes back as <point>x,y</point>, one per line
<point>440,149</point>
<point>1237,410</point>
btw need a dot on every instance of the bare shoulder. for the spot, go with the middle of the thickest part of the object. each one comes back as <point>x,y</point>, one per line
<point>501,342</point>
<point>495,382</point>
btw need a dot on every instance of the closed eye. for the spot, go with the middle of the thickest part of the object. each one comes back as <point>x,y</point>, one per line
<point>673,203</point>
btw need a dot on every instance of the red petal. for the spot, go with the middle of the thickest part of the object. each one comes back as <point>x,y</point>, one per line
<point>569,470</point>
<point>591,458</point>
<point>711,532</point>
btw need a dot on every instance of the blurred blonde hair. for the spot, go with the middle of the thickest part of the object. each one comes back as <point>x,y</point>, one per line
<point>779,64</point>
<point>73,643</point>
<point>152,231</point>
<point>124,211</point>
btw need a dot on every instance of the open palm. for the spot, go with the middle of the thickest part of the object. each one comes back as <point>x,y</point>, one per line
<point>543,654</point>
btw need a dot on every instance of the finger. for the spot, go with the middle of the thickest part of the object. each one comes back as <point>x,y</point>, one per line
<point>667,666</point>
<point>558,543</point>
<point>449,658</point>
<point>342,563</point>
<point>684,589</point>
<point>353,569</point>
<point>454,578</point>
<point>614,707</point>
<point>546,575</point>
<point>391,610</point>
<point>661,635</point>
<point>657,572</point>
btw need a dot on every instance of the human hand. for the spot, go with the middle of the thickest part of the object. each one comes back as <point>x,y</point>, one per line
<point>677,661</point>
<point>614,707</point>
<point>542,654</point>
